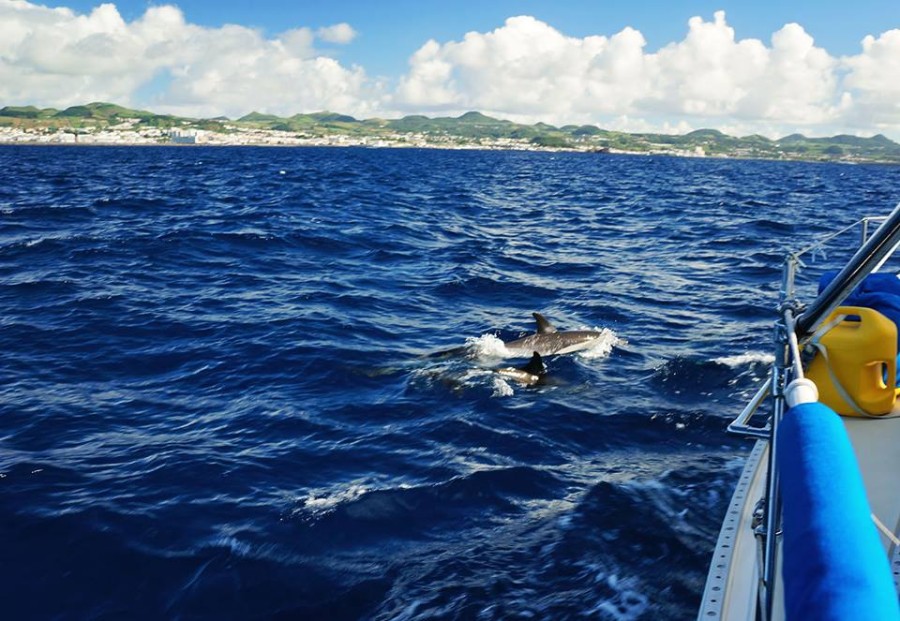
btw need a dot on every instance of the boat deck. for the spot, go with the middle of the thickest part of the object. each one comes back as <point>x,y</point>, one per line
<point>876,442</point>
<point>731,590</point>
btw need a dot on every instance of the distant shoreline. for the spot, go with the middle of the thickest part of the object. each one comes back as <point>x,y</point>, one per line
<point>105,124</point>
<point>170,145</point>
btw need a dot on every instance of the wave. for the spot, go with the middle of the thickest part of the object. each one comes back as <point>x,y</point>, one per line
<point>213,376</point>
<point>692,377</point>
<point>746,359</point>
<point>406,507</point>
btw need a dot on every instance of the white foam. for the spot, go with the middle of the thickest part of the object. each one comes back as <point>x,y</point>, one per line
<point>602,346</point>
<point>746,358</point>
<point>488,346</point>
<point>627,603</point>
<point>319,502</point>
<point>502,388</point>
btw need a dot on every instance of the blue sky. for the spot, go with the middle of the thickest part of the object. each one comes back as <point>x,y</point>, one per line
<point>666,72</point>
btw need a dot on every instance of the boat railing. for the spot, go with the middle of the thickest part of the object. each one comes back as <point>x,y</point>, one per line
<point>795,325</point>
<point>797,322</point>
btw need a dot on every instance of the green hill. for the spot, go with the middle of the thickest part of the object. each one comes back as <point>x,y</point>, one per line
<point>25,112</point>
<point>258,117</point>
<point>101,110</point>
<point>471,125</point>
<point>471,128</point>
<point>331,117</point>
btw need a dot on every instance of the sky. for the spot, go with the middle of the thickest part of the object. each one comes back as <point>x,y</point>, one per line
<point>815,67</point>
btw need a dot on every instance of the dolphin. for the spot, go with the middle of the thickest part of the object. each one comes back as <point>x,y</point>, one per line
<point>548,341</point>
<point>529,375</point>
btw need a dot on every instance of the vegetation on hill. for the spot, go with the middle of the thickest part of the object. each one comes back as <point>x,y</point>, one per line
<point>471,128</point>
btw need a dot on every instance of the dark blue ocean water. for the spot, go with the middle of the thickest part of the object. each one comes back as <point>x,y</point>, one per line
<point>217,399</point>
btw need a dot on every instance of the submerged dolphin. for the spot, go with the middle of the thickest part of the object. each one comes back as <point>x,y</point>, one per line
<point>547,341</point>
<point>529,375</point>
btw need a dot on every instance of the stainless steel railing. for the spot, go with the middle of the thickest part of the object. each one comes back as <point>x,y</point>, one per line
<point>795,325</point>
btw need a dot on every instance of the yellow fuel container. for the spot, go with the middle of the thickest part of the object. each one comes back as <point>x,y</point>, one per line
<point>860,353</point>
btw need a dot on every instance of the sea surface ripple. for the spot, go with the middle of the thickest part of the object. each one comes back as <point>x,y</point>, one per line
<point>220,397</point>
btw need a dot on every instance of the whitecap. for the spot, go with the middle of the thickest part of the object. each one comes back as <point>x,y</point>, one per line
<point>323,501</point>
<point>740,360</point>
<point>627,603</point>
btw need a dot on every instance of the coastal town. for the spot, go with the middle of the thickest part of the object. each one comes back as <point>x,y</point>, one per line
<point>108,124</point>
<point>130,133</point>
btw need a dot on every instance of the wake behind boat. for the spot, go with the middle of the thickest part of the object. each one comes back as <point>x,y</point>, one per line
<point>812,529</point>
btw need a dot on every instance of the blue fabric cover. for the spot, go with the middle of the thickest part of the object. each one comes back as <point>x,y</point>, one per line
<point>835,568</point>
<point>880,291</point>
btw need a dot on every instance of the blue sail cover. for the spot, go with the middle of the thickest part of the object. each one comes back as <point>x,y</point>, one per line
<point>835,567</point>
<point>880,291</point>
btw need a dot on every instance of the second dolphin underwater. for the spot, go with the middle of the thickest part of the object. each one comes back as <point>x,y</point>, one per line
<point>529,375</point>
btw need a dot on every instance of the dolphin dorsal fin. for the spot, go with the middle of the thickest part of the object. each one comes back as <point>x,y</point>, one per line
<point>535,366</point>
<point>543,326</point>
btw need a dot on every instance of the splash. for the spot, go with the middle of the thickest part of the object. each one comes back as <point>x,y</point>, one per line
<point>502,388</point>
<point>745,359</point>
<point>487,346</point>
<point>603,345</point>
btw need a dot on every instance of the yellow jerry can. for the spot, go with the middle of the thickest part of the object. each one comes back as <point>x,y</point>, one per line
<point>855,367</point>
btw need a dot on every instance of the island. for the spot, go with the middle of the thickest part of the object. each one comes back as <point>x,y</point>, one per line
<point>110,124</point>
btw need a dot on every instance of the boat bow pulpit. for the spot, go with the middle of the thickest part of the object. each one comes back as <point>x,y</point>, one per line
<point>812,529</point>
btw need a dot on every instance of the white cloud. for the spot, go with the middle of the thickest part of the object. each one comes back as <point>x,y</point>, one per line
<point>528,70</point>
<point>524,70</point>
<point>56,57</point>
<point>430,83</point>
<point>712,76</point>
<point>874,80</point>
<point>339,33</point>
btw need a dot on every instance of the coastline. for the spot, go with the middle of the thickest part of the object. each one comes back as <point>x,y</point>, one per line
<point>430,146</point>
<point>244,137</point>
<point>130,135</point>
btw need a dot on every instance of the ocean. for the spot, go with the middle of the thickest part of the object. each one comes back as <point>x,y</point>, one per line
<point>222,394</point>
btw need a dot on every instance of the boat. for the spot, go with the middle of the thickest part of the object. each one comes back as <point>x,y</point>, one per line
<point>813,528</point>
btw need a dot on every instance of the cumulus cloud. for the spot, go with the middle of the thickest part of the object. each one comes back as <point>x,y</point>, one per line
<point>57,57</point>
<point>526,69</point>
<point>874,81</point>
<point>339,33</point>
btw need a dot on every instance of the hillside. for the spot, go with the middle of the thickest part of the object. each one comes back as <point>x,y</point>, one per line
<point>97,113</point>
<point>470,129</point>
